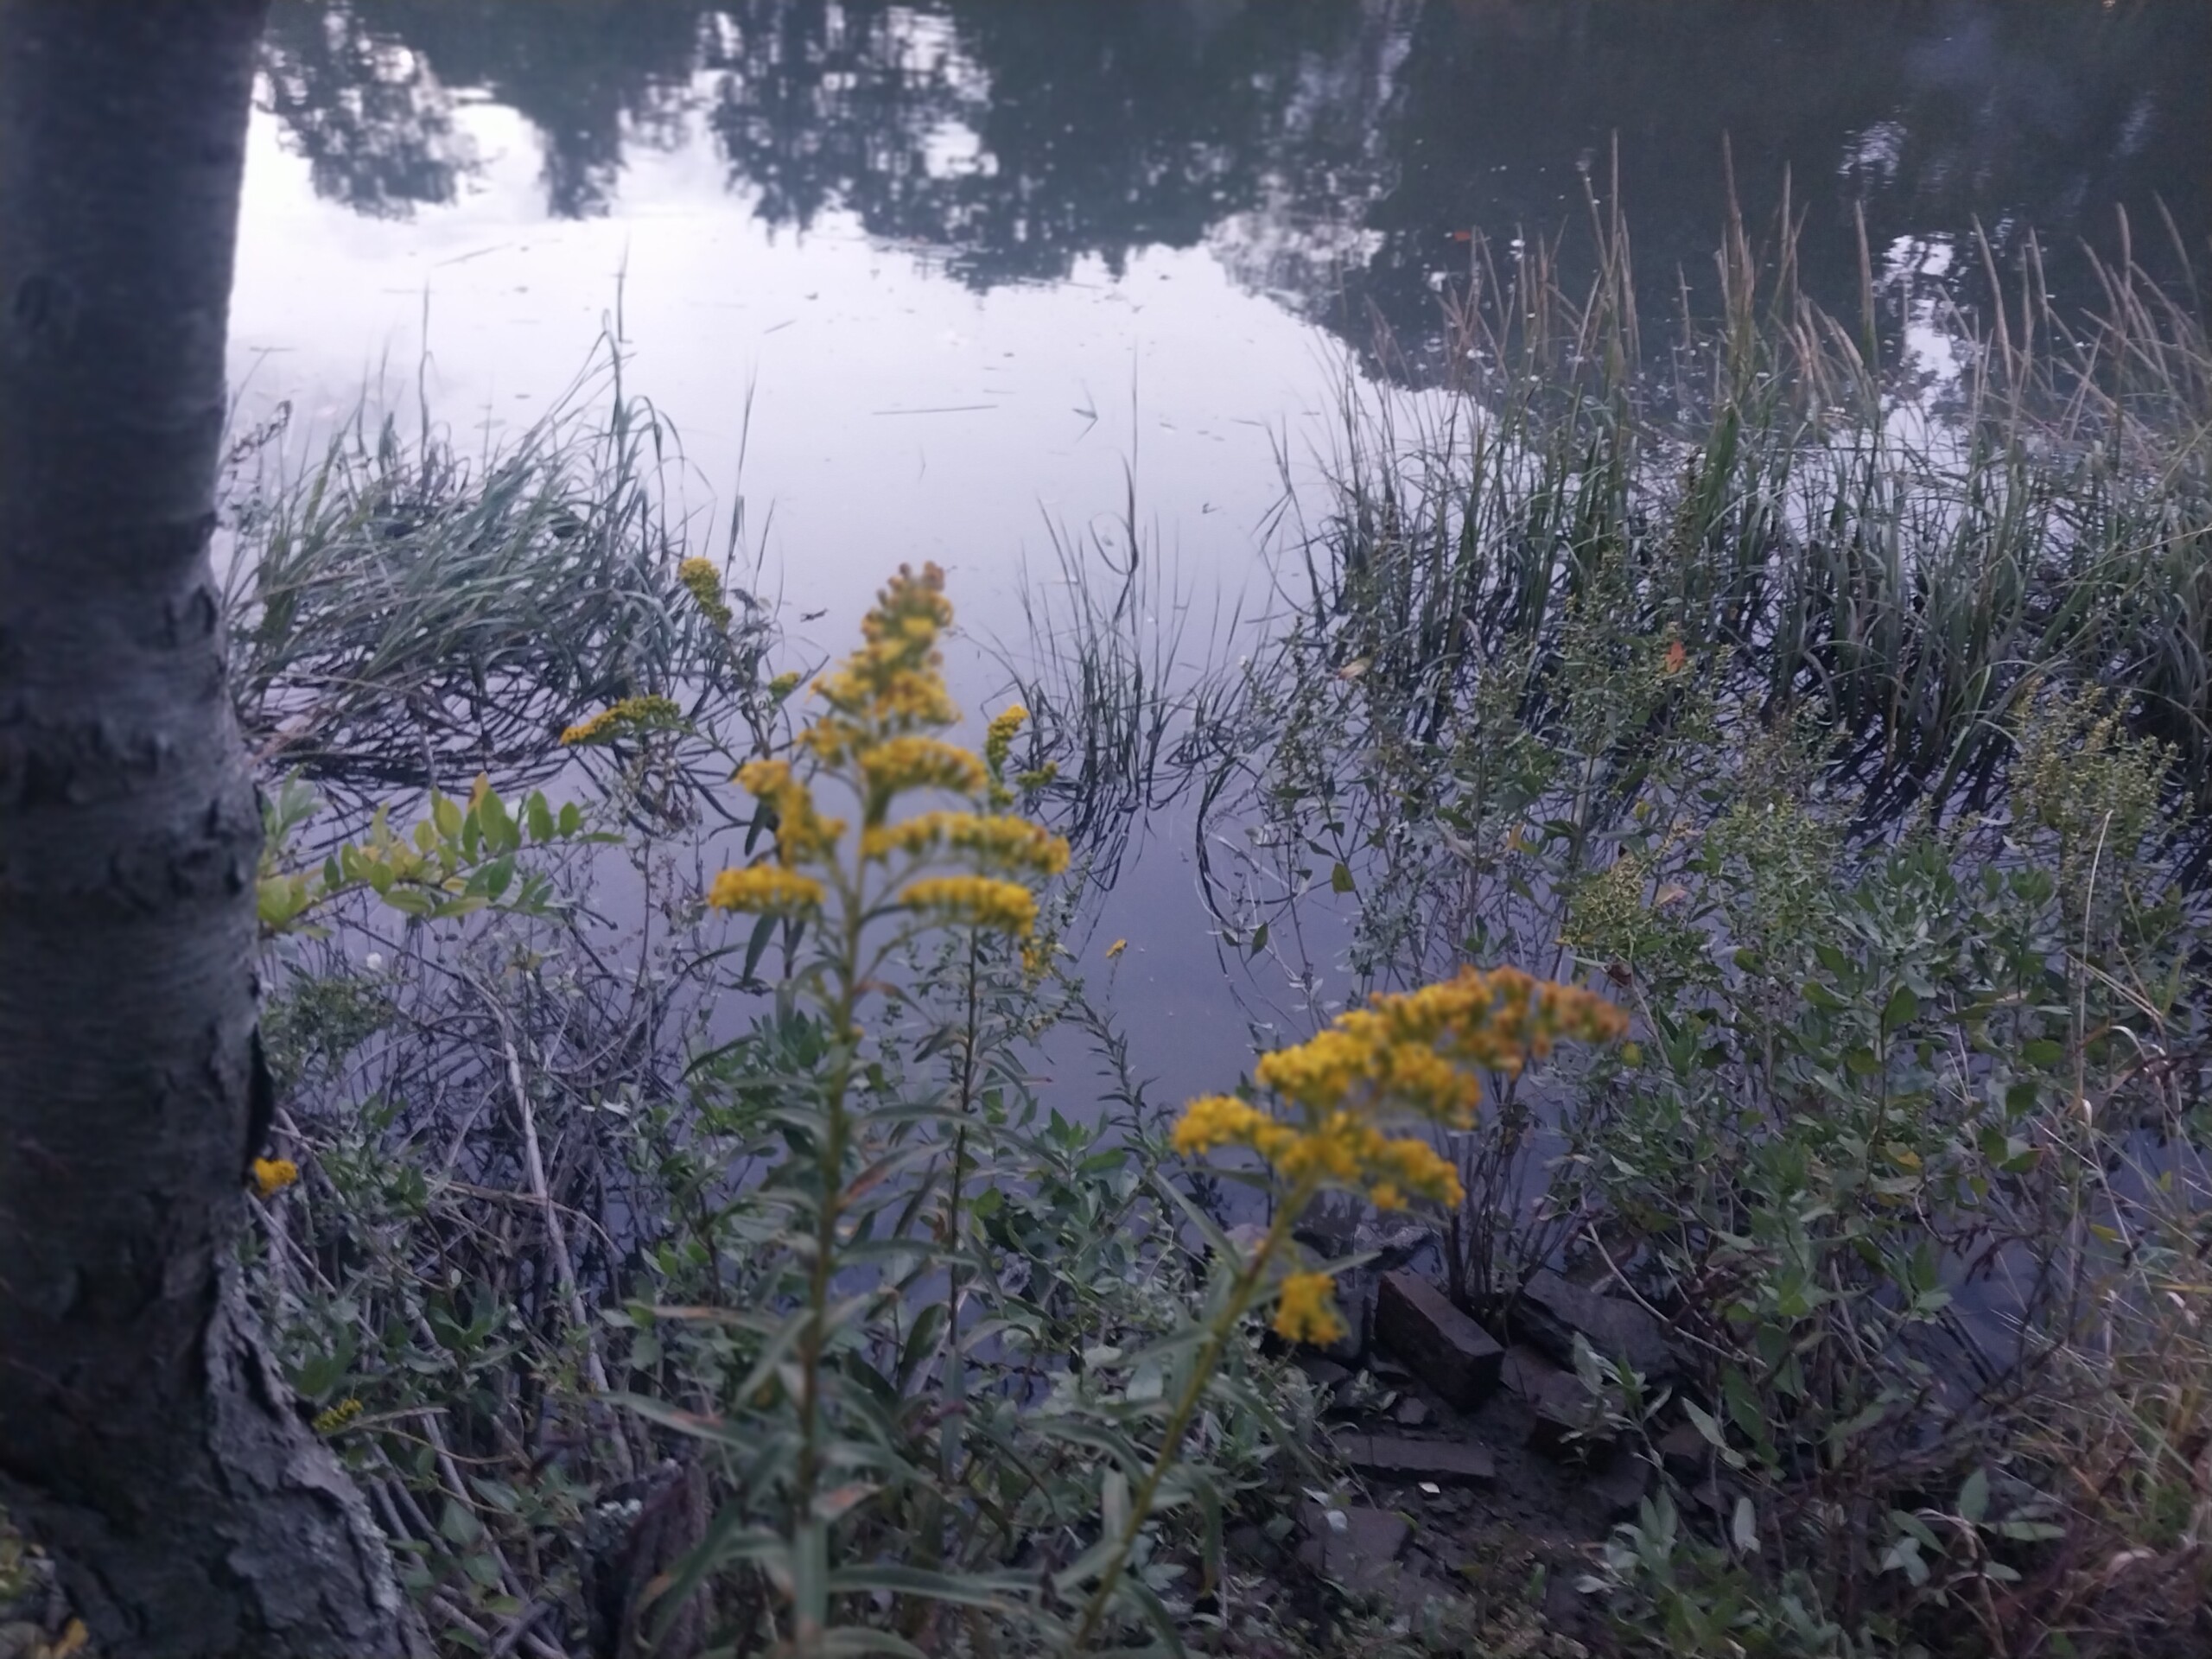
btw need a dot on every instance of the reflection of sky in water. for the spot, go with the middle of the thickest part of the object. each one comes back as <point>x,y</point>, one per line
<point>971,265</point>
<point>895,415</point>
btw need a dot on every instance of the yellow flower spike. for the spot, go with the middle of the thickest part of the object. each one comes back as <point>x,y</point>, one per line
<point>1306,1311</point>
<point>704,583</point>
<point>273,1175</point>
<point>1419,1050</point>
<point>803,834</point>
<point>763,778</point>
<point>628,718</point>
<point>330,1421</point>
<point>975,901</point>
<point>1009,842</point>
<point>894,681</point>
<point>1217,1121</point>
<point>908,761</point>
<point>592,728</point>
<point>1415,1167</point>
<point>767,890</point>
<point>998,737</point>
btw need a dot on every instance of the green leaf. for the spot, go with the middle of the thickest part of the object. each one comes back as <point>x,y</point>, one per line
<point>854,1639</point>
<point>540,815</point>
<point>1114,1503</point>
<point>1973,1498</point>
<point>1744,1528</point>
<point>500,831</point>
<point>1340,879</point>
<point>921,1342</point>
<point>757,946</point>
<point>458,1524</point>
<point>1706,1425</point>
<point>445,813</point>
<point>999,1592</point>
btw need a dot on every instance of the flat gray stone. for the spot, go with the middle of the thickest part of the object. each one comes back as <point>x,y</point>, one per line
<point>1567,1422</point>
<point>1407,1461</point>
<point>1620,1487</point>
<point>1685,1453</point>
<point>1551,1309</point>
<point>1445,1347</point>
<point>1325,1374</point>
<point>1362,1556</point>
<point>1410,1413</point>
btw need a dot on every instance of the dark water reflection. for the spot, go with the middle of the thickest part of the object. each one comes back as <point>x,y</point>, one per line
<point>1331,151</point>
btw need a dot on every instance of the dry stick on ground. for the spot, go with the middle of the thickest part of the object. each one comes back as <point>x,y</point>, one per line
<point>556,1238</point>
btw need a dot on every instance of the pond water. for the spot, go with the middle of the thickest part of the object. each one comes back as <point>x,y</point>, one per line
<point>929,281</point>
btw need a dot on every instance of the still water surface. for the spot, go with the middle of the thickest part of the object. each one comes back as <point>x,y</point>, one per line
<point>980,267</point>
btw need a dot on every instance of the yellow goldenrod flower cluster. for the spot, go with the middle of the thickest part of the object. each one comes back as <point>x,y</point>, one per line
<point>996,838</point>
<point>998,743</point>
<point>625,719</point>
<point>330,1421</point>
<point>705,585</point>
<point>894,684</point>
<point>1421,1050</point>
<point>803,834</point>
<point>1306,1311</point>
<point>1418,1053</point>
<point>878,735</point>
<point>273,1175</point>
<point>767,890</point>
<point>975,901</point>
<point>1340,1147</point>
<point>909,762</point>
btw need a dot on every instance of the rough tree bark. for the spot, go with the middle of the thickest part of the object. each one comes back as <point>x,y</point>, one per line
<point>144,1436</point>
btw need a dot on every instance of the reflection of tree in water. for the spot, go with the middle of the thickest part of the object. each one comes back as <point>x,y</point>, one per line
<point>591,76</point>
<point>1017,137</point>
<point>366,109</point>
<point>1927,116</point>
<point>1327,151</point>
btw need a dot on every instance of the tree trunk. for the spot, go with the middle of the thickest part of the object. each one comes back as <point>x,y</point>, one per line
<point>144,1436</point>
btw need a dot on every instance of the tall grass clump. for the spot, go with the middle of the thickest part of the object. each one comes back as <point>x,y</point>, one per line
<point>405,616</point>
<point>1794,499</point>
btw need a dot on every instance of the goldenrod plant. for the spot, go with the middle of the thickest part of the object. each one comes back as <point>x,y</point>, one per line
<point>1415,1056</point>
<point>876,1439</point>
<point>880,831</point>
